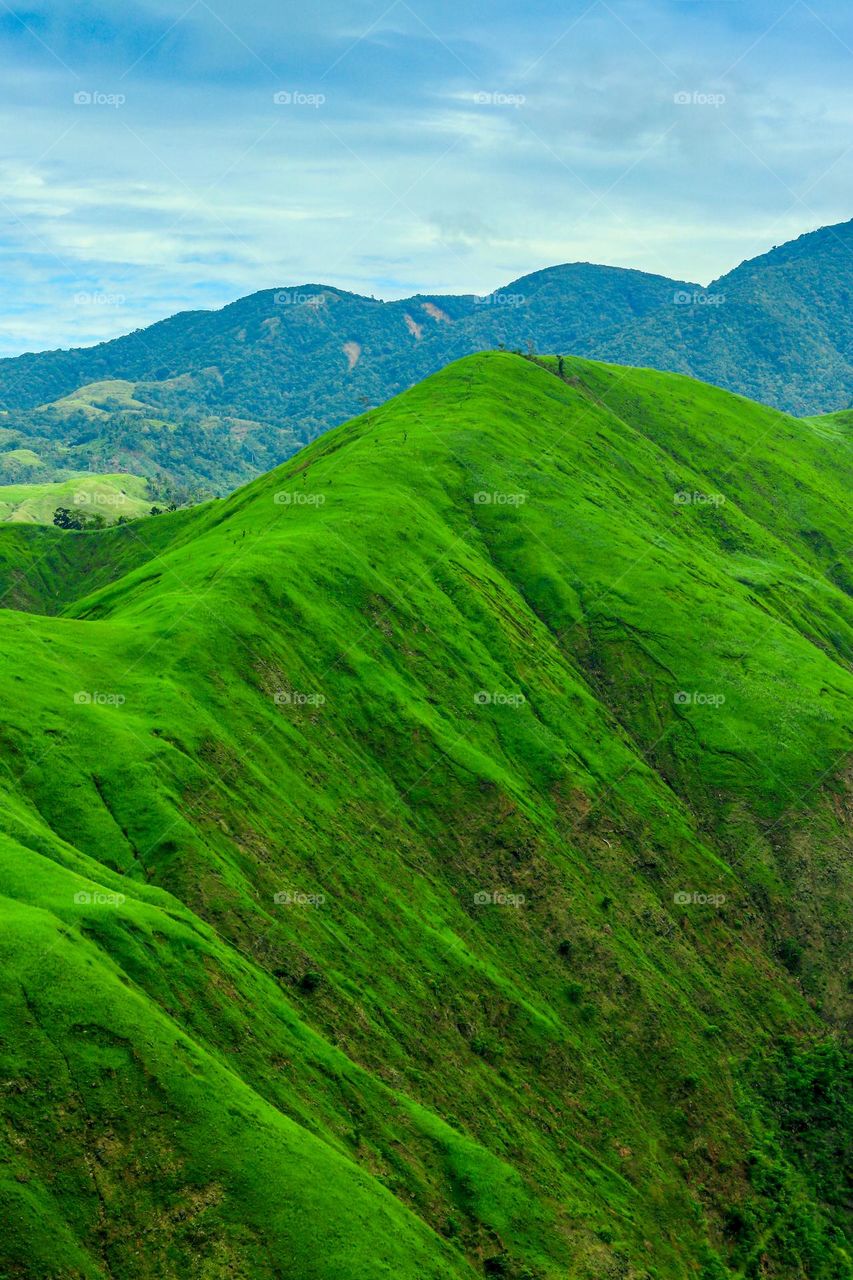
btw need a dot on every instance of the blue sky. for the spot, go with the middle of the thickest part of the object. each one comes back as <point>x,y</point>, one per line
<point>158,155</point>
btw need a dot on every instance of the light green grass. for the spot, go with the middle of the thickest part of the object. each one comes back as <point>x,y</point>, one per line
<point>110,496</point>
<point>97,398</point>
<point>281,693</point>
<point>26,457</point>
<point>837,426</point>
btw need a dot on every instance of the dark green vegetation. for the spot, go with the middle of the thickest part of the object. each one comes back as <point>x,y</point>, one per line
<point>430,860</point>
<point>208,399</point>
<point>158,432</point>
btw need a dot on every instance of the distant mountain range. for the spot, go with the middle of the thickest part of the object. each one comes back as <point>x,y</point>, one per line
<point>207,399</point>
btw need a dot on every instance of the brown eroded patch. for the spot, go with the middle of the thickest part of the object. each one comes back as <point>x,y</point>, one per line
<point>352,351</point>
<point>415,329</point>
<point>436,312</point>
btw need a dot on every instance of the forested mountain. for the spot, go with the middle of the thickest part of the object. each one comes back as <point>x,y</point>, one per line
<point>209,398</point>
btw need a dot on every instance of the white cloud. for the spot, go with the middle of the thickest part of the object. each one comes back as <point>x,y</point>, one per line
<point>199,188</point>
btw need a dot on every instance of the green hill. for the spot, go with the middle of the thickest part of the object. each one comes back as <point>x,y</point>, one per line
<point>206,400</point>
<point>838,425</point>
<point>110,496</point>
<point>430,860</point>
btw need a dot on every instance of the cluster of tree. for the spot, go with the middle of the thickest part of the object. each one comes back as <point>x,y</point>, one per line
<point>65,518</point>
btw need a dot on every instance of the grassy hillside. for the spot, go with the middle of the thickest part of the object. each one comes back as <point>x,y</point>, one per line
<point>110,496</point>
<point>430,860</point>
<point>206,400</point>
<point>838,425</point>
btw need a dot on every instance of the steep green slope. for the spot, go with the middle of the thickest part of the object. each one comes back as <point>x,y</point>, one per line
<point>839,425</point>
<point>429,860</point>
<point>205,400</point>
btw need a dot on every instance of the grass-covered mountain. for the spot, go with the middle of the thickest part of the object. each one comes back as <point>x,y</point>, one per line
<point>91,498</point>
<point>207,399</point>
<point>431,861</point>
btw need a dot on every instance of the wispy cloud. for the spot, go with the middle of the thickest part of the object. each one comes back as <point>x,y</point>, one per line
<point>178,153</point>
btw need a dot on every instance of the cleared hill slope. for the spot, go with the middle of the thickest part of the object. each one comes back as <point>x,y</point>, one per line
<point>430,861</point>
<point>86,494</point>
